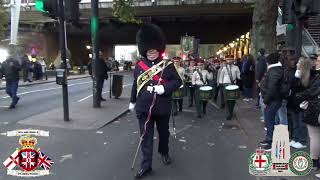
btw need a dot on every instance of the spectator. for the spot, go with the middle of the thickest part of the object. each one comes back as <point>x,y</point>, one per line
<point>309,101</point>
<point>37,70</point>
<point>296,125</point>
<point>248,78</point>
<point>26,66</point>
<point>261,68</point>
<point>10,69</point>
<point>42,62</point>
<point>270,88</point>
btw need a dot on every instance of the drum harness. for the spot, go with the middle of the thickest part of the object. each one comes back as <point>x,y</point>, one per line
<point>201,78</point>
<point>230,73</point>
<point>148,117</point>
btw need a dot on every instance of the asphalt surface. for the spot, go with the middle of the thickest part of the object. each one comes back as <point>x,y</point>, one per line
<point>40,98</point>
<point>205,149</point>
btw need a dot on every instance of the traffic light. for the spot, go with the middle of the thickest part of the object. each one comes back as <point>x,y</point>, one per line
<point>72,10</point>
<point>48,7</point>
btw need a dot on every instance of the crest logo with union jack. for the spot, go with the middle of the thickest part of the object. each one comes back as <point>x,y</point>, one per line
<point>28,162</point>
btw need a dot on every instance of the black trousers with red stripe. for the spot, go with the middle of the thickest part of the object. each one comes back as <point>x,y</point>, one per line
<point>162,123</point>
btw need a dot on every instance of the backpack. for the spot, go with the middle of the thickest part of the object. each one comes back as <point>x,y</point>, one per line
<point>285,88</point>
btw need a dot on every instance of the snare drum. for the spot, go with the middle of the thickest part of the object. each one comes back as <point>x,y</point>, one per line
<point>205,93</point>
<point>178,94</point>
<point>232,92</point>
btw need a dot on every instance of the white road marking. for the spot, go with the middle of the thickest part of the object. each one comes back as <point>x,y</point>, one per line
<point>48,89</point>
<point>85,98</point>
<point>65,157</point>
<point>4,106</point>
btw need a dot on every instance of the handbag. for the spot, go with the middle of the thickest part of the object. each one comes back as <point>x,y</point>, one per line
<point>312,114</point>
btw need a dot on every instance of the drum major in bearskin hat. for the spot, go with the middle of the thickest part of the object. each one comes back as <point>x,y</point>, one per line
<point>150,36</point>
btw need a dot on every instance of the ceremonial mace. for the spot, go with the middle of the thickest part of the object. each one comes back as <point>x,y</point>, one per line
<point>173,122</point>
<point>148,118</point>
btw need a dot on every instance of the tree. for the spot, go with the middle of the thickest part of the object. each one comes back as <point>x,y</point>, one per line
<point>124,11</point>
<point>264,23</point>
<point>3,19</point>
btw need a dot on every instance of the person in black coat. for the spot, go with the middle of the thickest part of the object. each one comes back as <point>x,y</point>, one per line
<point>270,89</point>
<point>101,74</point>
<point>260,68</point>
<point>161,85</point>
<point>10,69</point>
<point>298,130</point>
<point>248,77</point>
<point>309,101</point>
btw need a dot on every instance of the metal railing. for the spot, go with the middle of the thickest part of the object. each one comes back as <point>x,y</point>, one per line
<point>309,46</point>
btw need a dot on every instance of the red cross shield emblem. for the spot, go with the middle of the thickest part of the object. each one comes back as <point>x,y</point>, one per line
<point>28,159</point>
<point>260,161</point>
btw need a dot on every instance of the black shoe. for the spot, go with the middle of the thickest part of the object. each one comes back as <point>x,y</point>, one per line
<point>316,164</point>
<point>166,159</point>
<point>102,99</point>
<point>190,105</point>
<point>229,118</point>
<point>180,110</point>
<point>222,106</point>
<point>264,143</point>
<point>12,106</point>
<point>143,173</point>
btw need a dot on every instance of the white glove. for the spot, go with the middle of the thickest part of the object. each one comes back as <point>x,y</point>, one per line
<point>131,106</point>
<point>304,105</point>
<point>159,89</point>
<point>150,89</point>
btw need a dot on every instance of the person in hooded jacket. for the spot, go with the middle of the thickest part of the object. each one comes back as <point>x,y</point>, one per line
<point>152,93</point>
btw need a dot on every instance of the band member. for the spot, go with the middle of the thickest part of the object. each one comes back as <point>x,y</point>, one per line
<point>200,78</point>
<point>190,87</point>
<point>229,75</point>
<point>216,67</point>
<point>154,81</point>
<point>181,71</point>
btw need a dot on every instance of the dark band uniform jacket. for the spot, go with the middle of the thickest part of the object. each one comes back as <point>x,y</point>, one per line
<point>151,37</point>
<point>171,82</point>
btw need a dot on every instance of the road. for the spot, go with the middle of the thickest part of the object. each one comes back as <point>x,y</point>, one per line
<point>40,98</point>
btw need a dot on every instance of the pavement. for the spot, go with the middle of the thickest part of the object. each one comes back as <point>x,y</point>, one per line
<point>209,148</point>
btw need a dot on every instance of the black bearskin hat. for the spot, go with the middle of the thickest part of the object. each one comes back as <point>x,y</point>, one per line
<point>150,36</point>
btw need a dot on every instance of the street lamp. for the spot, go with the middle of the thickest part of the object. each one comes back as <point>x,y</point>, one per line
<point>88,47</point>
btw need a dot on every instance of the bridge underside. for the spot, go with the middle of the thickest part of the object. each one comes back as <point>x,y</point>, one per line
<point>212,24</point>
